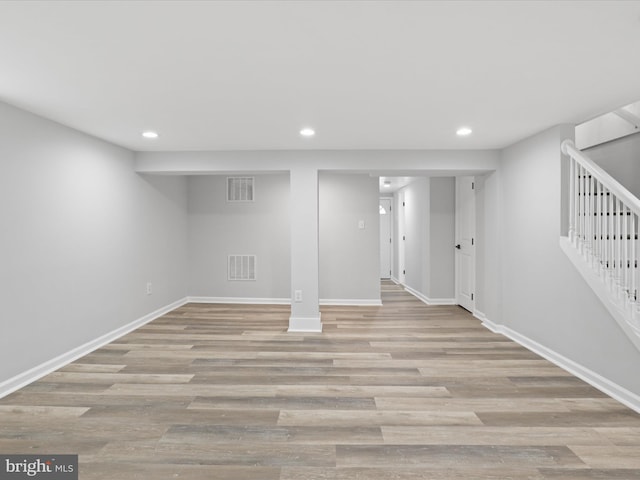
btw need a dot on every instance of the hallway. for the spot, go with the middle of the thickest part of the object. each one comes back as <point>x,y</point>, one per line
<point>402,391</point>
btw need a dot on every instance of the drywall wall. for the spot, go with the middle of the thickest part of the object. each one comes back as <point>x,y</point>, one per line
<point>349,255</point>
<point>441,238</point>
<point>82,234</point>
<point>305,250</point>
<point>404,162</point>
<point>543,296</point>
<point>218,228</point>
<point>607,127</point>
<point>620,159</point>
<point>488,247</point>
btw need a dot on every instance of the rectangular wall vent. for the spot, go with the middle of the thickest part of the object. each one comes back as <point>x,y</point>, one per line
<point>241,267</point>
<point>240,189</point>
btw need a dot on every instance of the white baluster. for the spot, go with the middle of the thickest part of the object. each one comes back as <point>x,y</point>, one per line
<point>618,247</point>
<point>612,243</point>
<point>599,226</point>
<point>605,231</point>
<point>633,258</point>
<point>578,206</point>
<point>594,220</point>
<point>585,214</point>
<point>636,267</point>
<point>585,209</point>
<point>572,200</point>
<point>591,228</point>
<point>625,253</point>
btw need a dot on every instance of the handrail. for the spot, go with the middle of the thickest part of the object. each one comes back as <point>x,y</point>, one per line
<point>568,148</point>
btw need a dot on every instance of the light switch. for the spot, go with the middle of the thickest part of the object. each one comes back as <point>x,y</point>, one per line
<point>361,224</point>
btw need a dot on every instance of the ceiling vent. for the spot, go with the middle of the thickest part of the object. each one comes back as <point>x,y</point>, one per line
<point>241,267</point>
<point>240,189</point>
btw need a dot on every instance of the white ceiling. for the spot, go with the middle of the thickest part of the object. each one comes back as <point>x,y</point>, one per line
<point>215,75</point>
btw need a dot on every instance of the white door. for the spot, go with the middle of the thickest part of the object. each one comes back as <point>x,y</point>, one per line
<point>400,238</point>
<point>465,261</point>
<point>385,238</point>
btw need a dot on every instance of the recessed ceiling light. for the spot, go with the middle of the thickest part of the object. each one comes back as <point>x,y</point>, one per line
<point>150,134</point>
<point>307,132</point>
<point>463,131</point>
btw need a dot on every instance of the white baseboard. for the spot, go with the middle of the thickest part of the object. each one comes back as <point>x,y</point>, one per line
<point>430,301</point>
<point>241,300</point>
<point>615,391</point>
<point>285,301</point>
<point>25,378</point>
<point>350,302</point>
<point>441,301</point>
<point>305,324</point>
<point>485,321</point>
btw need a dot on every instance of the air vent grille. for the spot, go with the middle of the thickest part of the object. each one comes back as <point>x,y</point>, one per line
<point>241,267</point>
<point>240,189</point>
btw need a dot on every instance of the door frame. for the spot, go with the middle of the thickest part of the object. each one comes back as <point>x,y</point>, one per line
<point>464,183</point>
<point>390,245</point>
<point>400,238</point>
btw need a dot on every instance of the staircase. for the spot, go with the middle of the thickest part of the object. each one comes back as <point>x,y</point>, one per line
<point>603,238</point>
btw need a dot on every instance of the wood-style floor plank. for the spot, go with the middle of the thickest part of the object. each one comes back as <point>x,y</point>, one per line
<point>403,391</point>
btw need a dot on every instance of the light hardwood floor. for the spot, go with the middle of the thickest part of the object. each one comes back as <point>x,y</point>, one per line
<point>403,391</point>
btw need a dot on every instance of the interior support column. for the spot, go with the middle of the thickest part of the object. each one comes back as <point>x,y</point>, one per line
<point>305,309</point>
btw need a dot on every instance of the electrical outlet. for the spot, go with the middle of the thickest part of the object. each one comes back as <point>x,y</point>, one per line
<point>297,296</point>
<point>149,288</point>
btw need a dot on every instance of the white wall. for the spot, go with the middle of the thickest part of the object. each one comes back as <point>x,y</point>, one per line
<point>542,296</point>
<point>82,233</point>
<point>607,127</point>
<point>218,228</point>
<point>620,159</point>
<point>429,213</point>
<point>349,256</point>
<point>386,162</point>
<point>488,287</point>
<point>442,238</point>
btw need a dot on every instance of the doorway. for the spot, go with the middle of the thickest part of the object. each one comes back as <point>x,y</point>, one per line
<point>386,241</point>
<point>465,226</point>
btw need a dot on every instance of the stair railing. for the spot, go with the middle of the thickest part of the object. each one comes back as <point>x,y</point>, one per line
<point>603,226</point>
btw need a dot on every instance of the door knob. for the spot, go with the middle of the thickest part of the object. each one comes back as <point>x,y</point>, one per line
<point>458,246</point>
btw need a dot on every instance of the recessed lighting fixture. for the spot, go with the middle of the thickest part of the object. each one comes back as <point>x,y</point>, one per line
<point>307,132</point>
<point>150,134</point>
<point>463,131</point>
